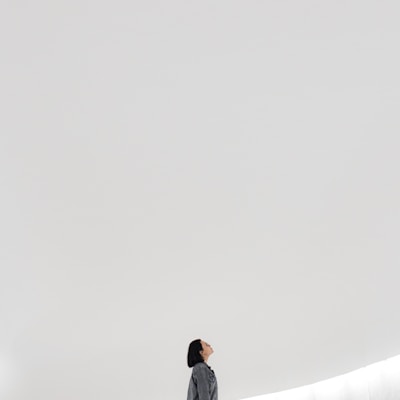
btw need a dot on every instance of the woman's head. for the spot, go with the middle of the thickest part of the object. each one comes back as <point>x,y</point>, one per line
<point>199,351</point>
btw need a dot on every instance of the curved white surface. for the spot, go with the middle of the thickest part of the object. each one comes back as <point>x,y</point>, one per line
<point>378,381</point>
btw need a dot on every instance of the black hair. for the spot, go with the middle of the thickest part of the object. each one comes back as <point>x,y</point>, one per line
<point>194,357</point>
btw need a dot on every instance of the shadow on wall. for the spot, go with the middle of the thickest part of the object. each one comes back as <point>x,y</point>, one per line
<point>379,381</point>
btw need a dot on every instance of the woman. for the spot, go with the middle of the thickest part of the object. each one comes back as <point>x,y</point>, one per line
<point>203,382</point>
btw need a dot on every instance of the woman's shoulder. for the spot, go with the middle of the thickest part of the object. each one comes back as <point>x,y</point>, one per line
<point>200,365</point>
<point>203,371</point>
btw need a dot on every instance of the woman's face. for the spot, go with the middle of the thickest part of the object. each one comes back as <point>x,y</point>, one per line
<point>207,349</point>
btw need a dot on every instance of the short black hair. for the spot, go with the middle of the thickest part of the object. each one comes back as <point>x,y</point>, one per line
<point>194,357</point>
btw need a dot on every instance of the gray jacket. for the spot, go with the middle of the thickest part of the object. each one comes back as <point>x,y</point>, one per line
<point>203,383</point>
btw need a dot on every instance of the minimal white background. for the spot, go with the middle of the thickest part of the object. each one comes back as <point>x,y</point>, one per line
<point>178,169</point>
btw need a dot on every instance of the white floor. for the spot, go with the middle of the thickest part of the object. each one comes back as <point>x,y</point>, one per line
<point>379,381</point>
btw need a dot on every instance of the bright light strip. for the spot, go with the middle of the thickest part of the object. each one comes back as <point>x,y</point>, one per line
<point>8,375</point>
<point>379,381</point>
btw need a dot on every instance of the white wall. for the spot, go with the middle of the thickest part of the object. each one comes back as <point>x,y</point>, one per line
<point>218,169</point>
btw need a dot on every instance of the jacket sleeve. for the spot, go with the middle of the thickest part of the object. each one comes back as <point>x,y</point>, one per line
<point>203,384</point>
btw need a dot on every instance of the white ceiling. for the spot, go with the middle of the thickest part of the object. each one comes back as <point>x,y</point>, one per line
<point>176,169</point>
